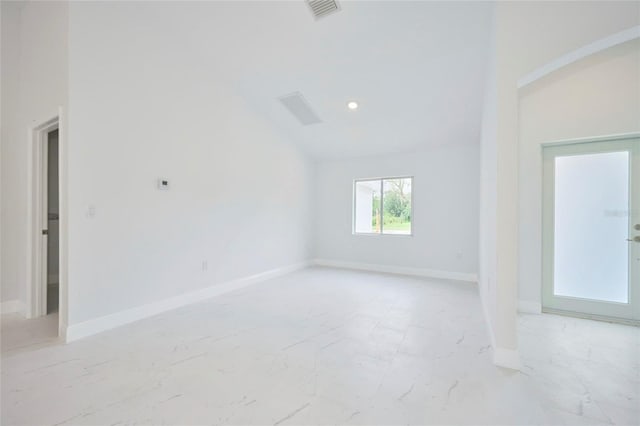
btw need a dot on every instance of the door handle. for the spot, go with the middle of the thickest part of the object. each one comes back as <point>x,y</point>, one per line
<point>635,239</point>
<point>46,232</point>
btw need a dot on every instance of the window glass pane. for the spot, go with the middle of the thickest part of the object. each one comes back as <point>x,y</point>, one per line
<point>397,206</point>
<point>367,206</point>
<point>591,226</point>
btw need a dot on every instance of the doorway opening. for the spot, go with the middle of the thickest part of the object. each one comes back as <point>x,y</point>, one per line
<point>46,283</point>
<point>53,225</point>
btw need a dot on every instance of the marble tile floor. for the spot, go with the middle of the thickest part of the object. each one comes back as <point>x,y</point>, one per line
<point>20,335</point>
<point>327,346</point>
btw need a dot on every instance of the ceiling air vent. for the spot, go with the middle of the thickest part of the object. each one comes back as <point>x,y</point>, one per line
<point>299,107</point>
<point>322,8</point>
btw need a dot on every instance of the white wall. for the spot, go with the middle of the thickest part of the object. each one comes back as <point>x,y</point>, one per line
<point>445,210</point>
<point>487,225</point>
<point>597,96</point>
<point>34,85</point>
<point>143,108</point>
<point>9,79</point>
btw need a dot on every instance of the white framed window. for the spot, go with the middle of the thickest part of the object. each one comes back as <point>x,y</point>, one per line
<point>383,206</point>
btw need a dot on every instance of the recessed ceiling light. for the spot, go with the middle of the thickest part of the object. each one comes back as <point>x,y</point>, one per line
<point>352,105</point>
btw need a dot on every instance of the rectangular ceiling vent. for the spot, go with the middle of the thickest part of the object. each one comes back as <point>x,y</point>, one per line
<point>299,107</point>
<point>322,8</point>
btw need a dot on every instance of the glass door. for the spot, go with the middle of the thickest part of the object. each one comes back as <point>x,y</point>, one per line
<point>591,225</point>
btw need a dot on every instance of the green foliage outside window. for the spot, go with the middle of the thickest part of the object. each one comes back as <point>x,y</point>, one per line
<point>396,209</point>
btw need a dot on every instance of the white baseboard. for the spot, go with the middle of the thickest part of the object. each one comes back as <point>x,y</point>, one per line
<point>400,270</point>
<point>528,307</point>
<point>11,306</point>
<point>107,322</point>
<point>507,358</point>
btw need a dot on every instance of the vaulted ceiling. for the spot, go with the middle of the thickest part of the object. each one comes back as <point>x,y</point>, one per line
<point>416,69</point>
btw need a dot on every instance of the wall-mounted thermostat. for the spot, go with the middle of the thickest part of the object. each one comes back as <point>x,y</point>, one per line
<point>163,184</point>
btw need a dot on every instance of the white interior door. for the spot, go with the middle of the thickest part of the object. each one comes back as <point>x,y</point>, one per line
<point>591,225</point>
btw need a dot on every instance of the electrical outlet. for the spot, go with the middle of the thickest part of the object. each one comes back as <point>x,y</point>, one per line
<point>205,265</point>
<point>459,255</point>
<point>163,184</point>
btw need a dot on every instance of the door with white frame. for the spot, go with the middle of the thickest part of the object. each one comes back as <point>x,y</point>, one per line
<point>44,248</point>
<point>591,229</point>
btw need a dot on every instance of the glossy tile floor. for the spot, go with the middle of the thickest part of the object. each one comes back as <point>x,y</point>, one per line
<point>324,346</point>
<point>19,335</point>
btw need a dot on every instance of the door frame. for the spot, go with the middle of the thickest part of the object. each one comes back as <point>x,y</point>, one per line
<point>36,288</point>
<point>548,177</point>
